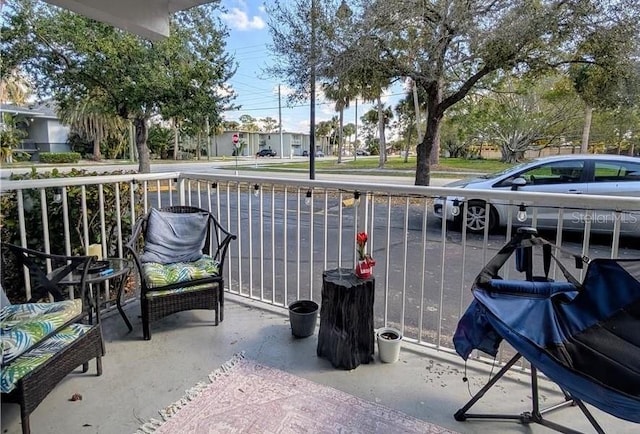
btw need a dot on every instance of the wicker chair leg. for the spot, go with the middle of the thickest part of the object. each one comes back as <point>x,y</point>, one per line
<point>26,428</point>
<point>146,329</point>
<point>221,299</point>
<point>99,365</point>
<point>85,367</point>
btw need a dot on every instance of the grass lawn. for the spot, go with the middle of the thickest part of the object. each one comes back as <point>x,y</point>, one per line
<point>395,164</point>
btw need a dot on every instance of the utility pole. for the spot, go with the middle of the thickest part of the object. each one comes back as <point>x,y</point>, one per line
<point>312,110</point>
<point>280,122</point>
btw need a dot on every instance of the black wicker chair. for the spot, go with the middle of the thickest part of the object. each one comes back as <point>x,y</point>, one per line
<point>33,387</point>
<point>206,292</point>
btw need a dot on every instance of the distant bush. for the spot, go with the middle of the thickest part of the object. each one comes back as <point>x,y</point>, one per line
<point>60,157</point>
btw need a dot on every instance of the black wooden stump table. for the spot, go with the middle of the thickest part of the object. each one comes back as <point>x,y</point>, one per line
<point>346,336</point>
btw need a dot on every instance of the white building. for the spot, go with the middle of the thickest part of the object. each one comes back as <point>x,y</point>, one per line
<point>45,133</point>
<point>292,144</point>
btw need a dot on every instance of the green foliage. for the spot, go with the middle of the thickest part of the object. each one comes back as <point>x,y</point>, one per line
<point>12,278</point>
<point>248,123</point>
<point>160,140</point>
<point>11,136</point>
<point>269,124</point>
<point>60,157</point>
<point>73,57</point>
<point>604,74</point>
<point>239,148</point>
<point>448,47</point>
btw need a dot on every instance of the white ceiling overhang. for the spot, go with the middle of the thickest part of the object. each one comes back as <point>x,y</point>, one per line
<point>147,18</point>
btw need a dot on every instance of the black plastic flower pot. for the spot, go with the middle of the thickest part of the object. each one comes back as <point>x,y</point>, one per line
<point>303,315</point>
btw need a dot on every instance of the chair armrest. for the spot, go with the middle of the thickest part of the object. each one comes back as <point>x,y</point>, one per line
<point>224,238</point>
<point>135,245</point>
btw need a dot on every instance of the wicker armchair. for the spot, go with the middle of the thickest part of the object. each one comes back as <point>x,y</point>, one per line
<point>171,287</point>
<point>43,342</point>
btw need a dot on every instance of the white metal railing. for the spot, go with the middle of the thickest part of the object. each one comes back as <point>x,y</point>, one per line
<point>290,230</point>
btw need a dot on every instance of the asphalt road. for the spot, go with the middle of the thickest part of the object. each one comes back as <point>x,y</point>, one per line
<point>226,166</point>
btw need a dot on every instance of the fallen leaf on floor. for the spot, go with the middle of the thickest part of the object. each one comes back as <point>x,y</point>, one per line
<point>76,397</point>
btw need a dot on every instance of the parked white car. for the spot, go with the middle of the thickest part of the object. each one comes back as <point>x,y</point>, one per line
<point>569,174</point>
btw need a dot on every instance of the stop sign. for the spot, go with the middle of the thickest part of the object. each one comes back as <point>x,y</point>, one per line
<point>235,138</point>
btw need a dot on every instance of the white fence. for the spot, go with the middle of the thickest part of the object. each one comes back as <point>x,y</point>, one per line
<point>291,230</point>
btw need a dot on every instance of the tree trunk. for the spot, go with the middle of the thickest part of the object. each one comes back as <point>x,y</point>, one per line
<point>408,145</point>
<point>416,107</point>
<point>144,164</point>
<point>207,128</point>
<point>434,156</point>
<point>96,148</point>
<point>423,167</point>
<point>198,145</point>
<point>588,114</point>
<point>176,138</point>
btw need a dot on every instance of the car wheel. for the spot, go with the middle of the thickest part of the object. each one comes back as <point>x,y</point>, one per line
<point>476,217</point>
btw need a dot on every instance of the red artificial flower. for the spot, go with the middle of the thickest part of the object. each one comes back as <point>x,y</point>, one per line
<point>361,240</point>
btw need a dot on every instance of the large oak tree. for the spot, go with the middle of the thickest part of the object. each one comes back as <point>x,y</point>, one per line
<point>72,57</point>
<point>447,47</point>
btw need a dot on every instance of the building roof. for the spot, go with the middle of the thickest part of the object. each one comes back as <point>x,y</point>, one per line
<point>43,110</point>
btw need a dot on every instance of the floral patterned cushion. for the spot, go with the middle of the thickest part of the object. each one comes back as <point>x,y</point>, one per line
<point>30,360</point>
<point>158,275</point>
<point>25,325</point>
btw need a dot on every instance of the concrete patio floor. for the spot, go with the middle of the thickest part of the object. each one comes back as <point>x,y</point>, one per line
<point>140,377</point>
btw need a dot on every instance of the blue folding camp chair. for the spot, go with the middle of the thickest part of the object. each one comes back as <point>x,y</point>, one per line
<point>583,336</point>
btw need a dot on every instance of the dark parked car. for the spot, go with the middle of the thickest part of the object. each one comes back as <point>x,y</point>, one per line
<point>266,153</point>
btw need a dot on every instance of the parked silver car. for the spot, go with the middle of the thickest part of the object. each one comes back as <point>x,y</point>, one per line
<point>570,174</point>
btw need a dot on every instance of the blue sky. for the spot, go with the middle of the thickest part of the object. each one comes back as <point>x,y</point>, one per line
<point>258,93</point>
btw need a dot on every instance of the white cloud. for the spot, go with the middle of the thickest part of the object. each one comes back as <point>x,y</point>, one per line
<point>302,126</point>
<point>238,19</point>
<point>328,110</point>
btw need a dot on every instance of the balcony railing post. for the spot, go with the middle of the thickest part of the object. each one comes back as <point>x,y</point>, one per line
<point>181,188</point>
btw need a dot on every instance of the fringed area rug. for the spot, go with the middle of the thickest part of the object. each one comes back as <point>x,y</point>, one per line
<point>245,397</point>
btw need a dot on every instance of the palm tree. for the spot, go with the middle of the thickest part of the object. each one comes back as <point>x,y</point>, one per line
<point>14,88</point>
<point>91,120</point>
<point>342,94</point>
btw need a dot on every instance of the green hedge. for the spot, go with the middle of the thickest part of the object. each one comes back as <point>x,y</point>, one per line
<point>60,157</point>
<point>12,278</point>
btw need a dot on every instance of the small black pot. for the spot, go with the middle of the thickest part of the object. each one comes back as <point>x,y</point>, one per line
<point>303,315</point>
